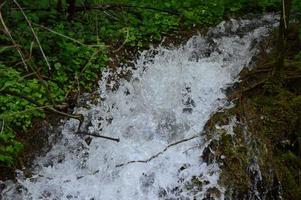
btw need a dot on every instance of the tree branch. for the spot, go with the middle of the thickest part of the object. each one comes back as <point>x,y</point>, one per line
<point>159,153</point>
<point>100,136</point>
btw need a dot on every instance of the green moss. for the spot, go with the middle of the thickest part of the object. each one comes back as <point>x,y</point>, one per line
<point>270,132</point>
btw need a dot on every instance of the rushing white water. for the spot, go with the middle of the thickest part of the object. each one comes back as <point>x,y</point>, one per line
<point>162,107</point>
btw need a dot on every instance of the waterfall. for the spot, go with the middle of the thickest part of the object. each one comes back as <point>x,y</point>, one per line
<point>158,111</point>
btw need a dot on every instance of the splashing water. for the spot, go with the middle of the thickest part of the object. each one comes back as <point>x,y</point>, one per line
<point>158,114</point>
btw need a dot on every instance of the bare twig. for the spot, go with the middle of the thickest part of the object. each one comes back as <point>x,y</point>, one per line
<point>6,47</point>
<point>14,42</point>
<point>100,136</point>
<point>40,78</point>
<point>34,33</point>
<point>2,4</point>
<point>60,34</point>
<point>2,126</point>
<point>159,153</point>
<point>79,117</point>
<point>30,50</point>
<point>193,147</point>
<point>82,71</point>
<point>109,15</point>
<point>124,42</point>
<point>67,37</point>
<point>284,14</point>
<point>24,60</point>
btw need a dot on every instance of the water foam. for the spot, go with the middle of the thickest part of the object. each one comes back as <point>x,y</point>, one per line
<point>162,107</point>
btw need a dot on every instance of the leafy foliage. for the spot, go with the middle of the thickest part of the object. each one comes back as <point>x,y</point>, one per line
<point>78,49</point>
<point>9,147</point>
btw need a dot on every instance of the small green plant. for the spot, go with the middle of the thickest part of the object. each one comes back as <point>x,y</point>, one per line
<point>77,49</point>
<point>9,147</point>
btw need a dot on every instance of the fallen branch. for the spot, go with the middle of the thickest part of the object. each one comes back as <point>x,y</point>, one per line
<point>156,155</point>
<point>100,136</point>
<point>79,117</point>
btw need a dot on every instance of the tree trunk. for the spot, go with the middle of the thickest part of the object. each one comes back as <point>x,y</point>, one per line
<point>59,6</point>
<point>71,9</point>
<point>282,37</point>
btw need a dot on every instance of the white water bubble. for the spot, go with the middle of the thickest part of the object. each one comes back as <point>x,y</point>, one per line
<point>159,115</point>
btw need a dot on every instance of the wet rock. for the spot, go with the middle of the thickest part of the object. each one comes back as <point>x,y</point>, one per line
<point>213,193</point>
<point>162,192</point>
<point>146,181</point>
<point>2,188</point>
<point>88,140</point>
<point>183,167</point>
<point>208,156</point>
<point>187,110</point>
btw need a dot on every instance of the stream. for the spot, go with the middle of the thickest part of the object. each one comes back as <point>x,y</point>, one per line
<point>158,112</point>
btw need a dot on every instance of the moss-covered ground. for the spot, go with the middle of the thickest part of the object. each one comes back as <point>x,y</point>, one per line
<point>268,132</point>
